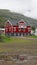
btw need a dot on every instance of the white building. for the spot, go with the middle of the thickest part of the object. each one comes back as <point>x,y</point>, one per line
<point>35,32</point>
<point>2,30</point>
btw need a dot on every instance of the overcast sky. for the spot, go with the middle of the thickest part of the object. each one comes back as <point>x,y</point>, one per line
<point>26,7</point>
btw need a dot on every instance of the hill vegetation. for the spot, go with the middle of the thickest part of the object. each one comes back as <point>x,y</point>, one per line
<point>6,14</point>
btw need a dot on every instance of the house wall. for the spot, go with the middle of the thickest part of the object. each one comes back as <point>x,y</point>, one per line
<point>20,29</point>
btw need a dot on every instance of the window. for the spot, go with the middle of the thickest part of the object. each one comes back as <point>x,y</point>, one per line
<point>19,29</point>
<point>29,29</point>
<point>14,28</point>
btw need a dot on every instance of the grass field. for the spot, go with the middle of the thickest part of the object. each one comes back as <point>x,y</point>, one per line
<point>19,45</point>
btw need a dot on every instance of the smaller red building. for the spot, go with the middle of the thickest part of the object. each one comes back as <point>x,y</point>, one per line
<point>17,30</point>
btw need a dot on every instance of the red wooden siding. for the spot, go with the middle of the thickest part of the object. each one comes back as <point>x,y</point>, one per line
<point>16,29</point>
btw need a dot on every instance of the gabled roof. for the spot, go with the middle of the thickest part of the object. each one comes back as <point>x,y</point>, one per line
<point>8,21</point>
<point>15,22</point>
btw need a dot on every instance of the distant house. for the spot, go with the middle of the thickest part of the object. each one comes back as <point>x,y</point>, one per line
<point>2,30</point>
<point>35,32</point>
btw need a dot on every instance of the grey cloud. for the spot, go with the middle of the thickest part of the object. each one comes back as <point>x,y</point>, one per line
<point>26,7</point>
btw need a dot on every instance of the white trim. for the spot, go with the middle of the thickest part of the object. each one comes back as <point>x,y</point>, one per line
<point>9,22</point>
<point>21,20</point>
<point>2,28</point>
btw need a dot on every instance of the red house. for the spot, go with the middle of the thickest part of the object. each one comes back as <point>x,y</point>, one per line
<point>17,30</point>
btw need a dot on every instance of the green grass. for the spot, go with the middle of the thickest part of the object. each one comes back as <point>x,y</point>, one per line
<point>17,39</point>
<point>18,44</point>
<point>33,36</point>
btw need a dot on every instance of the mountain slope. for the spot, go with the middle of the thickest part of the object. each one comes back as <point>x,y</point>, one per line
<point>15,17</point>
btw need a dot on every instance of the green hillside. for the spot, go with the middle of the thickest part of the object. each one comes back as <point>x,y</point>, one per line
<point>6,14</point>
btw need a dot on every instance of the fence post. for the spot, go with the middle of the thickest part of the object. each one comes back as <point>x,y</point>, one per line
<point>0,35</point>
